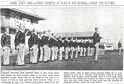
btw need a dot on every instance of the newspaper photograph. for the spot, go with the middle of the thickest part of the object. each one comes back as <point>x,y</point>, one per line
<point>61,42</point>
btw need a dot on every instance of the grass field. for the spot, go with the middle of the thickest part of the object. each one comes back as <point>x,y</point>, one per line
<point>109,61</point>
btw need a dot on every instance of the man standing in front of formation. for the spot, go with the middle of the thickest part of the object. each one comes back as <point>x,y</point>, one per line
<point>5,42</point>
<point>34,47</point>
<point>96,41</point>
<point>20,44</point>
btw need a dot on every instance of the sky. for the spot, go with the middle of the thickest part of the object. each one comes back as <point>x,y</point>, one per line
<point>110,20</point>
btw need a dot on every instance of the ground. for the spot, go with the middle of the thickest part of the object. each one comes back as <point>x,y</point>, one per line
<point>109,61</point>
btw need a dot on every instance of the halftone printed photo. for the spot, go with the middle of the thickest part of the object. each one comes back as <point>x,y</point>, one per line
<point>64,38</point>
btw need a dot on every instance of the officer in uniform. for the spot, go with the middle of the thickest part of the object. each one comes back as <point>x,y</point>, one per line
<point>34,48</point>
<point>96,41</point>
<point>20,44</point>
<point>6,49</point>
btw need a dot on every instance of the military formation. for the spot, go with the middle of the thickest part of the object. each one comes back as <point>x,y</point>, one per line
<point>48,47</point>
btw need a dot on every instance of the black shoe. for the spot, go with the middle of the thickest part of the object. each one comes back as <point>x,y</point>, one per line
<point>15,64</point>
<point>45,62</point>
<point>5,65</point>
<point>21,65</point>
<point>96,61</point>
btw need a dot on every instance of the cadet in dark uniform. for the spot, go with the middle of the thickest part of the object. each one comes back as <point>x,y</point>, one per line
<point>91,48</point>
<point>71,44</point>
<point>49,47</point>
<point>41,48</point>
<point>34,47</point>
<point>81,47</point>
<point>52,45</point>
<point>5,42</point>
<point>119,48</point>
<point>66,47</point>
<point>84,46</point>
<point>45,46</point>
<point>88,48</point>
<point>60,45</point>
<point>76,48</point>
<point>96,41</point>
<point>20,45</point>
<point>56,47</point>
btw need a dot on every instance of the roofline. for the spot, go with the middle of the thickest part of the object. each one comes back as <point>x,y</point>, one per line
<point>30,14</point>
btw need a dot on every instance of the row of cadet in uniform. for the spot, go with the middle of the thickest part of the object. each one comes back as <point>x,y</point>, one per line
<point>53,48</point>
<point>49,46</point>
